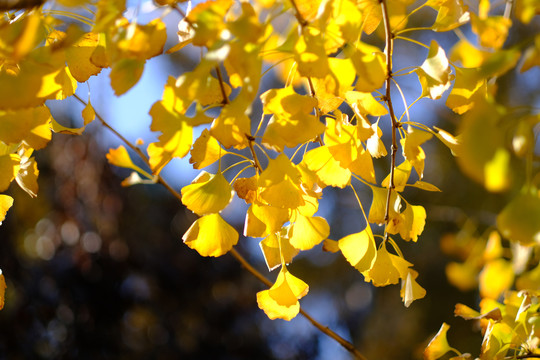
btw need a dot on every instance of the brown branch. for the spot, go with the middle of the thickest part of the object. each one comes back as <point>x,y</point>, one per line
<point>256,163</point>
<point>317,111</point>
<point>347,345</point>
<point>222,86</point>
<point>388,99</point>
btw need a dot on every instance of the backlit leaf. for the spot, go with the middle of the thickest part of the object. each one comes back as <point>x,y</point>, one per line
<point>438,346</point>
<point>434,74</point>
<point>496,277</point>
<point>410,289</point>
<point>88,113</point>
<point>359,249</point>
<point>27,175</point>
<point>281,300</point>
<point>246,188</point>
<point>518,221</point>
<point>9,167</point>
<point>450,14</point>
<point>205,151</point>
<point>210,235</point>
<point>125,73</point>
<point>78,57</point>
<point>6,202</point>
<point>307,232</point>
<point>29,125</point>
<point>327,168</point>
<point>232,125</point>
<point>274,247</point>
<point>207,194</point>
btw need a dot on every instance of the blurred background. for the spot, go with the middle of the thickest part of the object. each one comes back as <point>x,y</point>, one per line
<point>99,271</point>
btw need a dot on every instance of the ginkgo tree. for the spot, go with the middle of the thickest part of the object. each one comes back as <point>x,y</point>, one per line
<point>320,127</point>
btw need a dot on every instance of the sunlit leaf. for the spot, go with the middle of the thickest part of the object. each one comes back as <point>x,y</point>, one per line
<point>434,74</point>
<point>210,235</point>
<point>28,174</point>
<point>9,167</point>
<point>205,151</point>
<point>327,168</point>
<point>125,73</point>
<point>470,314</point>
<point>387,268</point>
<point>274,247</point>
<point>88,113</point>
<point>78,57</point>
<point>281,300</point>
<point>61,129</point>
<point>450,14</point>
<point>438,346</point>
<point>518,221</point>
<point>496,277</point>
<point>492,31</point>
<point>410,289</point>
<point>370,65</point>
<point>307,232</point>
<point>6,202</point>
<point>232,125</point>
<point>359,249</point>
<point>29,125</point>
<point>207,194</point>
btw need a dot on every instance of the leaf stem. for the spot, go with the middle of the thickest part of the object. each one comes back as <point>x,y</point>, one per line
<point>256,163</point>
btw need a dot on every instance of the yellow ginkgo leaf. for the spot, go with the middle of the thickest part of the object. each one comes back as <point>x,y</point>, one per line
<point>412,150</point>
<point>207,194</point>
<point>378,205</point>
<point>496,277</point>
<point>232,125</point>
<point>279,169</point>
<point>492,31</point>
<point>175,139</point>
<point>359,249</point>
<point>463,276</point>
<point>281,300</point>
<point>27,175</point>
<point>61,129</point>
<point>518,221</point>
<point>469,88</point>
<point>330,90</point>
<point>307,232</point>
<point>276,247</point>
<point>210,235</point>
<point>208,20</point>
<point>382,272</point>
<point>365,103</point>
<point>468,54</point>
<point>327,168</point>
<point>310,54</point>
<point>263,220</point>
<point>370,65</point>
<point>120,157</point>
<point>285,194</point>
<point>6,202</point>
<point>374,144</point>
<point>292,122</point>
<point>438,346</point>
<point>205,151</point>
<point>401,175</point>
<point>31,125</point>
<point>246,188</point>
<point>78,57</point>
<point>9,167</point>
<point>125,73</point>
<point>410,289</point>
<point>88,113</point>
<point>434,74</point>
<point>450,14</point>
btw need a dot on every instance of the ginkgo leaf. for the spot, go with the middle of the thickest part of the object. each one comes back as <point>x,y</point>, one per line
<point>412,150</point>
<point>78,57</point>
<point>497,336</point>
<point>125,73</point>
<point>175,139</point>
<point>279,183</point>
<point>29,125</point>
<point>378,205</point>
<point>410,289</point>
<point>263,220</point>
<point>401,175</point>
<point>141,42</point>
<point>276,247</point>
<point>120,157</point>
<point>307,232</point>
<point>451,141</point>
<point>210,235</point>
<point>208,21</point>
<point>281,300</point>
<point>6,202</point>
<point>492,31</point>
<point>61,129</point>
<point>365,103</point>
<point>374,144</point>
<point>467,313</point>
<point>463,276</point>
<point>292,123</point>
<point>410,223</point>
<point>330,245</point>
<point>469,88</point>
<point>518,221</point>
<point>438,346</point>
<point>434,74</point>
<point>310,54</point>
<point>9,168</point>
<point>370,65</point>
<point>279,169</point>
<point>469,55</point>
<point>27,175</point>
<point>88,113</point>
<point>207,194</point>
<point>424,186</point>
<point>496,277</point>
<point>327,168</point>
<point>359,249</point>
<point>387,268</point>
<point>232,125</point>
<point>205,151</point>
<point>450,14</point>
<point>246,189</point>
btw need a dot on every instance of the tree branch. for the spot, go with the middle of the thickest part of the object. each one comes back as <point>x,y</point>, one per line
<point>388,99</point>
<point>347,345</point>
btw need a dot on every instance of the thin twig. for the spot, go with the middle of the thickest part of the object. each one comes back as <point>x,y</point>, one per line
<point>222,86</point>
<point>388,100</point>
<point>256,163</point>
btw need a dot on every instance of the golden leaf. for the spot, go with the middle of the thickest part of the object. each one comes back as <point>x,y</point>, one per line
<point>207,194</point>
<point>307,232</point>
<point>210,235</point>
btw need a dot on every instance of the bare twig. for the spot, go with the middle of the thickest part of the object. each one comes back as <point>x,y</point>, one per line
<point>388,99</point>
